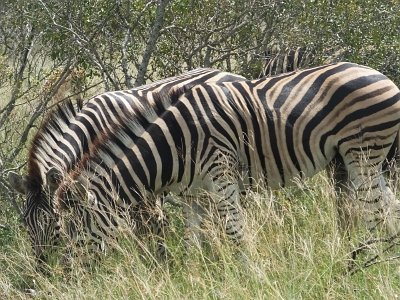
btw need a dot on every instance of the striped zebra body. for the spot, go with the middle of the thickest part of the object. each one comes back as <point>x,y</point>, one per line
<point>223,137</point>
<point>70,133</point>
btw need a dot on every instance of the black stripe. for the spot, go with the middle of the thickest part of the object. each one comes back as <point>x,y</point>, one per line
<point>216,101</point>
<point>194,140</point>
<point>164,151</point>
<point>273,141</point>
<point>256,126</point>
<point>97,116</point>
<point>369,147</point>
<point>379,127</point>
<point>146,156</point>
<point>177,135</point>
<point>359,114</point>
<point>110,109</point>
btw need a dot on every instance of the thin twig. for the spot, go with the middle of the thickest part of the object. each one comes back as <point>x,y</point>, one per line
<point>375,259</point>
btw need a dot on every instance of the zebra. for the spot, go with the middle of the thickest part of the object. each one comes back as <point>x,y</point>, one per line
<point>278,61</point>
<point>231,136</point>
<point>283,60</point>
<point>70,133</point>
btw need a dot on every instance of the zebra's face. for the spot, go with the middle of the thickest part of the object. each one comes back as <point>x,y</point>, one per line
<point>40,216</point>
<point>42,223</point>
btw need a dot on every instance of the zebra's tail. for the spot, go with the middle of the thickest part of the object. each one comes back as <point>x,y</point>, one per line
<point>392,162</point>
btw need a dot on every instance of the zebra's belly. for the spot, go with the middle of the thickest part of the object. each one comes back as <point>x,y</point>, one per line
<point>289,173</point>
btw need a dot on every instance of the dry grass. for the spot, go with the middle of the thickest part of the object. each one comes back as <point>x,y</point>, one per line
<point>293,251</point>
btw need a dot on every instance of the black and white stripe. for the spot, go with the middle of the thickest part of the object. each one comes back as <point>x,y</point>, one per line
<point>278,61</point>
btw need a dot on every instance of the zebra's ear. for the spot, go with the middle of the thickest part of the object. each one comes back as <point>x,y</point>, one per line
<point>53,179</point>
<point>17,182</point>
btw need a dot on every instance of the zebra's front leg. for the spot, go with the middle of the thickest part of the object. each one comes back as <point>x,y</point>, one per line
<point>193,214</point>
<point>229,209</point>
<point>159,231</point>
<point>151,219</point>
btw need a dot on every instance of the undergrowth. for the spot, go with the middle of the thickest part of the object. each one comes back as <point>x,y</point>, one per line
<point>293,250</point>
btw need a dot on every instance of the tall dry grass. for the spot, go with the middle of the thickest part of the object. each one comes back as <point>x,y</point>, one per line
<point>293,250</point>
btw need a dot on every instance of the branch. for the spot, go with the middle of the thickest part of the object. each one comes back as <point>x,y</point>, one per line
<point>40,109</point>
<point>86,44</point>
<point>18,78</point>
<point>11,196</point>
<point>375,259</point>
<point>124,60</point>
<point>151,42</point>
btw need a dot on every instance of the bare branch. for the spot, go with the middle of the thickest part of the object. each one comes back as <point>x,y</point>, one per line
<point>151,42</point>
<point>392,241</point>
<point>6,111</point>
<point>11,196</point>
<point>39,110</point>
<point>124,60</point>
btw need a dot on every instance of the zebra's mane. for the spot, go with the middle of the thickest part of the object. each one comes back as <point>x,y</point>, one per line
<point>46,139</point>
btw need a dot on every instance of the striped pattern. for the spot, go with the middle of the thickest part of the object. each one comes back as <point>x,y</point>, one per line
<point>224,137</point>
<point>278,61</point>
<point>70,133</point>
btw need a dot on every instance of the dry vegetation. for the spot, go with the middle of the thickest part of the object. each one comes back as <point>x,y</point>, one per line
<point>293,251</point>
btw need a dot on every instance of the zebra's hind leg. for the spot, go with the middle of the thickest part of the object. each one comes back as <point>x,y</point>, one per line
<point>374,198</point>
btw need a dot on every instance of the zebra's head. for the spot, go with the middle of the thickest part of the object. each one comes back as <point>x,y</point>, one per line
<point>39,216</point>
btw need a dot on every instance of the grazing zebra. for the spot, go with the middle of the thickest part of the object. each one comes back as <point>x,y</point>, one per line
<point>278,61</point>
<point>70,133</point>
<point>227,136</point>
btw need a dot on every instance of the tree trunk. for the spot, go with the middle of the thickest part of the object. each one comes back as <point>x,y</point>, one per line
<point>152,41</point>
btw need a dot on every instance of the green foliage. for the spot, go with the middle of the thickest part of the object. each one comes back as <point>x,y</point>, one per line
<point>367,32</point>
<point>232,35</point>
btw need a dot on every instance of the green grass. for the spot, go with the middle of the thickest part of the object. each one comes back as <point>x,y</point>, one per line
<point>293,248</point>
